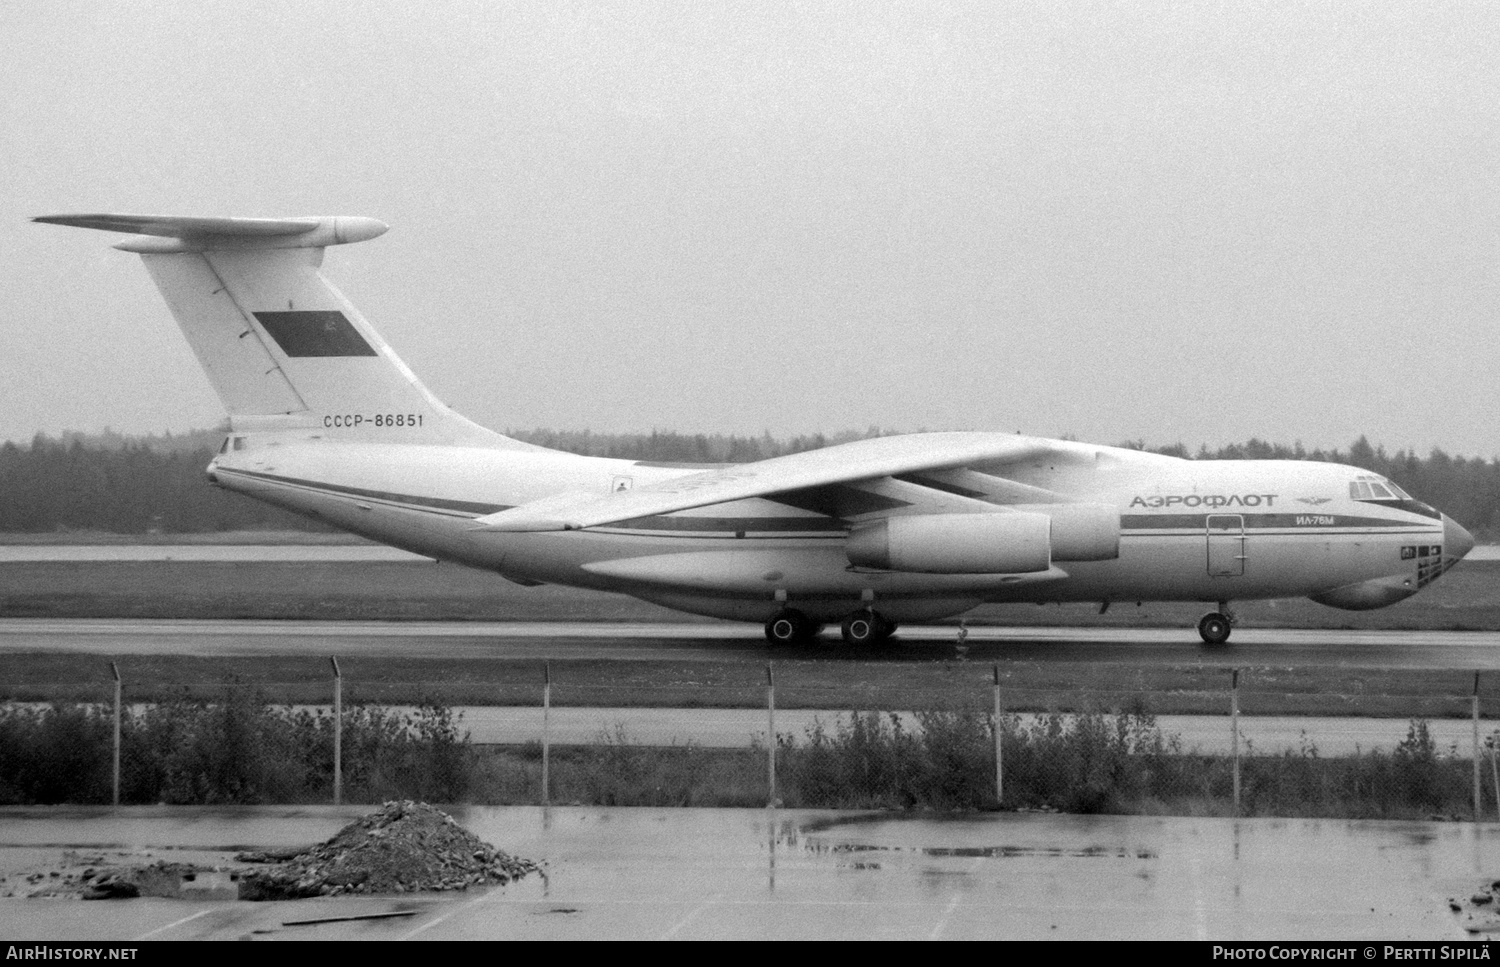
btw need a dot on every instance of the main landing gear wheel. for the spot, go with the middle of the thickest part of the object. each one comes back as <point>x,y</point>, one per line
<point>790,625</point>
<point>1214,627</point>
<point>866,628</point>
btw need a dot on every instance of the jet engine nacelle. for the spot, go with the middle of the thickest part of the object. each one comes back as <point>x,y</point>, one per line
<point>1011,543</point>
<point>1015,542</point>
<point>1082,532</point>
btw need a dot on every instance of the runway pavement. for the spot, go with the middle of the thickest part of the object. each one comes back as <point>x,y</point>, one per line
<point>1469,650</point>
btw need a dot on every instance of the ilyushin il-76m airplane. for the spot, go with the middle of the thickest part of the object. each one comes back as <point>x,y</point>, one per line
<point>326,421</point>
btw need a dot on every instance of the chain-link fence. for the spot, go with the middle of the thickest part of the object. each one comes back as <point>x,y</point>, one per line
<point>790,739</point>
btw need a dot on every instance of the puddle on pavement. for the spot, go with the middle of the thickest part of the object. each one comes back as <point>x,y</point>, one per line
<point>806,838</point>
<point>792,838</point>
<point>986,852</point>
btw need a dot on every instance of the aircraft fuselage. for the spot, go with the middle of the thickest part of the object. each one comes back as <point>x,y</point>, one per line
<point>1189,530</point>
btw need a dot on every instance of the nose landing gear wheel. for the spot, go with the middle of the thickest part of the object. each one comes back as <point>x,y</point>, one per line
<point>1214,628</point>
<point>789,625</point>
<point>866,628</point>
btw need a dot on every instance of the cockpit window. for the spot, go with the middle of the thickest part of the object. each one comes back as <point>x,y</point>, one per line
<point>1374,489</point>
<point>1371,487</point>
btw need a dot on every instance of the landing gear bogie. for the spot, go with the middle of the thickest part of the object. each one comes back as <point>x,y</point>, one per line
<point>789,626</point>
<point>867,627</point>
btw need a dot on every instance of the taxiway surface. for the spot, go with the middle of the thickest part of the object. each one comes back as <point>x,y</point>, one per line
<point>1468,650</point>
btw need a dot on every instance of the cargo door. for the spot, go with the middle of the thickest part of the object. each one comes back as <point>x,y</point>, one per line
<point>1226,545</point>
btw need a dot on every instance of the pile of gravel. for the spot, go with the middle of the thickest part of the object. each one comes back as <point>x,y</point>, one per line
<point>406,847</point>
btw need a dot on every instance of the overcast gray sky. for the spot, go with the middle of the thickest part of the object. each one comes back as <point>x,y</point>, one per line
<point>1172,221</point>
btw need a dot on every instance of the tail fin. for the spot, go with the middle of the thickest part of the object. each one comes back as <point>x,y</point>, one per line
<point>283,349</point>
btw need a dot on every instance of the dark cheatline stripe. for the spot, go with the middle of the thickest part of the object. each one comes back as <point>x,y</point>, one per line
<point>433,503</point>
<point>323,332</point>
<point>1199,522</point>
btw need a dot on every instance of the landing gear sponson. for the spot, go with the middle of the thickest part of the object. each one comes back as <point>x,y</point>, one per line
<point>1215,626</point>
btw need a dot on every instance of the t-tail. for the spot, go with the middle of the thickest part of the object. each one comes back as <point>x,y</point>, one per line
<point>283,348</point>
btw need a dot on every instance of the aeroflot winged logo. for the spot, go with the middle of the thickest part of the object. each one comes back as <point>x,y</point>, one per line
<point>1207,500</point>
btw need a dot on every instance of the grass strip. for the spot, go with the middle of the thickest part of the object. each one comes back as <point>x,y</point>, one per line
<point>1178,689</point>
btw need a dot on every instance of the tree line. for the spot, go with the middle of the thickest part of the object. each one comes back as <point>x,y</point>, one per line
<point>125,486</point>
<point>137,485</point>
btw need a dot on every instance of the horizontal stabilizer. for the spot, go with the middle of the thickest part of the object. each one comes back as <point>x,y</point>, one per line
<point>190,233</point>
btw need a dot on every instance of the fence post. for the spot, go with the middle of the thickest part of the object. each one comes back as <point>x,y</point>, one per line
<point>999,757</point>
<point>338,732</point>
<point>1474,708</point>
<point>771,743</point>
<point>115,670</point>
<point>1234,732</point>
<point>546,734</point>
<point>1494,774</point>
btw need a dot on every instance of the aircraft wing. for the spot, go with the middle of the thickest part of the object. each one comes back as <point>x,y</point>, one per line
<point>844,463</point>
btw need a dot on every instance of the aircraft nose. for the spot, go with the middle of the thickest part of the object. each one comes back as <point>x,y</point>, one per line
<point>1456,540</point>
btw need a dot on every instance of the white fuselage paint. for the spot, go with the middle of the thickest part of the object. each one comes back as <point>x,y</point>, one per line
<point>1303,532</point>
